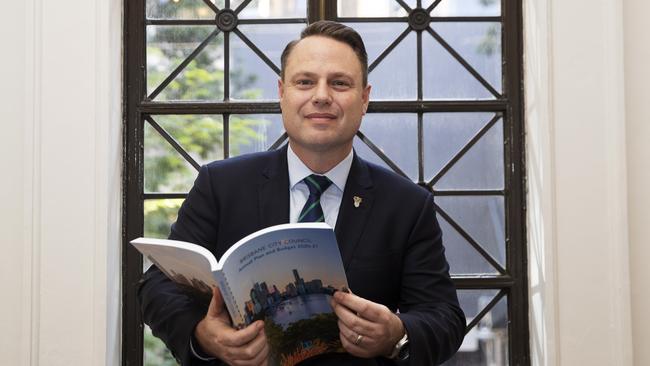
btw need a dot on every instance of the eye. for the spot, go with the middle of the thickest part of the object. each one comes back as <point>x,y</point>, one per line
<point>341,84</point>
<point>304,82</point>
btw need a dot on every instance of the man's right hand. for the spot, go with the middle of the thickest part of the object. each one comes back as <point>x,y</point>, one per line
<point>217,337</point>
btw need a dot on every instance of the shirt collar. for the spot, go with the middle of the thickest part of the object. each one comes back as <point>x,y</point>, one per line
<point>299,171</point>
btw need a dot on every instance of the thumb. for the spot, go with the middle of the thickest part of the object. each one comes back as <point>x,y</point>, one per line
<point>216,303</point>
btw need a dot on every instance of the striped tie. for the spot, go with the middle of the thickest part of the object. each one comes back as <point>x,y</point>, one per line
<point>312,211</point>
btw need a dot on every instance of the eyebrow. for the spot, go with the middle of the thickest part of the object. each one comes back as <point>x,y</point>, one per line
<point>314,75</point>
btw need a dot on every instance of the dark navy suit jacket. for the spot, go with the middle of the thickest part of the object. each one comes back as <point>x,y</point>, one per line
<point>391,248</point>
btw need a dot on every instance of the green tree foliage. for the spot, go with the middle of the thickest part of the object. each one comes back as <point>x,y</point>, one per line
<point>155,352</point>
<point>490,42</point>
<point>158,216</point>
<point>488,2</point>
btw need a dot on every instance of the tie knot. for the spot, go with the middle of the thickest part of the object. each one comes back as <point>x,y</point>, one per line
<point>317,184</point>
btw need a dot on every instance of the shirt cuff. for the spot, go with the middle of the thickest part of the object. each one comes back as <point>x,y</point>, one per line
<point>198,353</point>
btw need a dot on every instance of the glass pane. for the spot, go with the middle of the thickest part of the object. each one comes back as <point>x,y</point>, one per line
<point>462,257</point>
<point>396,75</point>
<point>168,47</point>
<point>377,36</point>
<point>396,136</point>
<point>200,135</point>
<point>479,44</point>
<point>272,38</point>
<point>254,133</point>
<point>250,77</point>
<point>370,8</point>
<point>158,217</point>
<point>445,134</point>
<point>487,343</point>
<point>413,3</point>
<point>481,167</point>
<point>155,351</point>
<point>474,301</point>
<point>180,9</point>
<point>257,9</point>
<point>478,8</point>
<point>482,217</point>
<point>444,77</point>
<point>165,170</point>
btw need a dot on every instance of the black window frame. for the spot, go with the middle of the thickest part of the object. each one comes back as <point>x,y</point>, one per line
<point>513,282</point>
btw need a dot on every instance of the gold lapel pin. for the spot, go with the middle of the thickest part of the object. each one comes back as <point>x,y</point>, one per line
<point>357,201</point>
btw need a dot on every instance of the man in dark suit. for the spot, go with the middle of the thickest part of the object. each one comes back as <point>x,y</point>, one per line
<point>403,307</point>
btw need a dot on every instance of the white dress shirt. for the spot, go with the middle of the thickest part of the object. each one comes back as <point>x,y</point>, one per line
<point>330,200</point>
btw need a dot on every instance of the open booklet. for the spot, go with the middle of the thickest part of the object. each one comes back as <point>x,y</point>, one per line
<point>284,274</point>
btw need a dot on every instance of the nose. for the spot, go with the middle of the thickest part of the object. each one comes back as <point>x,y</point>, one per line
<point>322,94</point>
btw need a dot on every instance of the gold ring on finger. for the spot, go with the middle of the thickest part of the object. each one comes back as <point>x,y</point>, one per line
<point>358,340</point>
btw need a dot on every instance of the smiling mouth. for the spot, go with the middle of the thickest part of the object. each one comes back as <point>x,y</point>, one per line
<point>321,116</point>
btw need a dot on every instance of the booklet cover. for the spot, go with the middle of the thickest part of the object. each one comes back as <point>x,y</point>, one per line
<point>284,274</point>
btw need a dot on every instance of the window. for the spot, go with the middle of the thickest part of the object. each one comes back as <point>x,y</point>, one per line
<point>445,112</point>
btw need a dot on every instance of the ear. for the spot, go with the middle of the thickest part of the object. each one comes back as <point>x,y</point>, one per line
<point>280,88</point>
<point>365,97</point>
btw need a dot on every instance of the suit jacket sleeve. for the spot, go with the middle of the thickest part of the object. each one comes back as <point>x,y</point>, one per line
<point>171,313</point>
<point>429,305</point>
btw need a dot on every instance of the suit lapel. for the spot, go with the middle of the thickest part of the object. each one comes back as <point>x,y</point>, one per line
<point>273,199</point>
<point>355,209</point>
<point>274,191</point>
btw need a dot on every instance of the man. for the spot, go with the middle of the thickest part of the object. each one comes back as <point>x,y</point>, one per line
<point>402,308</point>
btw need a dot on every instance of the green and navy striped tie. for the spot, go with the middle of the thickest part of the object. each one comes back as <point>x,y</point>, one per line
<point>312,211</point>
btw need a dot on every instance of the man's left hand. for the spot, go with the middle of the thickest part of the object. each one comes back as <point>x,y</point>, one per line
<point>367,329</point>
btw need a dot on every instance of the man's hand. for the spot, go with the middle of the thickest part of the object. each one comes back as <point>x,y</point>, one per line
<point>216,336</point>
<point>367,329</point>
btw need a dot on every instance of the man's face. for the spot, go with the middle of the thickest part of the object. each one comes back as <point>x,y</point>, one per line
<point>322,96</point>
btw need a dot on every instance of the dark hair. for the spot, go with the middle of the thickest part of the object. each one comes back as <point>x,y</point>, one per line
<point>335,31</point>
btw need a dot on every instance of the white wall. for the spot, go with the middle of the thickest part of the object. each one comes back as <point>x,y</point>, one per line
<point>637,97</point>
<point>586,89</point>
<point>60,187</point>
<point>541,220</point>
<point>586,84</point>
<point>14,193</point>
